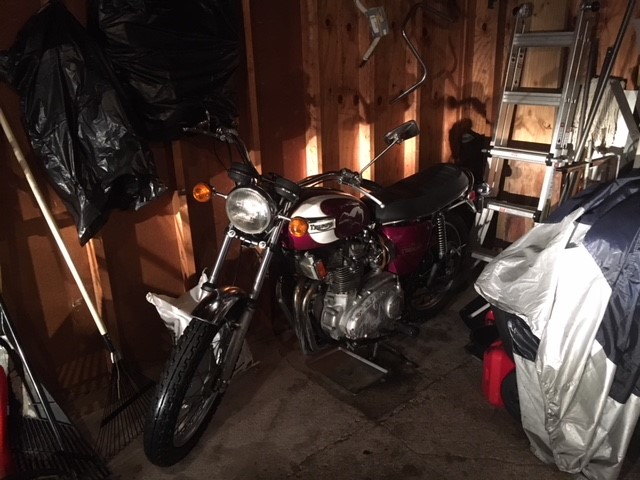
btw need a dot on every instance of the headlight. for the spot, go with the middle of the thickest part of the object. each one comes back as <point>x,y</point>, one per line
<point>249,210</point>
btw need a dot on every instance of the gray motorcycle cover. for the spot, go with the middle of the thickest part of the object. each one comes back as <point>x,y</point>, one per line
<point>575,284</point>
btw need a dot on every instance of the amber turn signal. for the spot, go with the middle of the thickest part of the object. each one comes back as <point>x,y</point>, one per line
<point>298,227</point>
<point>202,192</point>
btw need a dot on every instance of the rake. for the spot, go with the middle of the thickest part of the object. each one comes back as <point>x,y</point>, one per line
<point>45,441</point>
<point>130,392</point>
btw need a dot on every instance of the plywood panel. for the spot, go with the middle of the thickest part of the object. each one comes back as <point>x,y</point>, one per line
<point>390,72</point>
<point>489,31</point>
<point>311,72</point>
<point>338,27</point>
<point>206,160</point>
<point>142,256</point>
<point>279,81</point>
<point>445,95</point>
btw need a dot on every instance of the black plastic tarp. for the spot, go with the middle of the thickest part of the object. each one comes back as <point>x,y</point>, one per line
<point>175,59</point>
<point>77,120</point>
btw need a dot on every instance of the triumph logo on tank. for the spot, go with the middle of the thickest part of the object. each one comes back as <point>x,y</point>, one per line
<point>411,249</point>
<point>319,226</point>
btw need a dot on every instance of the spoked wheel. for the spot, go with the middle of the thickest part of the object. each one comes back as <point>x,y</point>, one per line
<point>189,392</point>
<point>431,287</point>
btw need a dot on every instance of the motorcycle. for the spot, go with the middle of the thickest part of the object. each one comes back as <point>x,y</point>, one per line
<point>357,269</point>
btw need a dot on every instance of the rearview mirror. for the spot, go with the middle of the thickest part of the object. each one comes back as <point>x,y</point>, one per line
<point>404,132</point>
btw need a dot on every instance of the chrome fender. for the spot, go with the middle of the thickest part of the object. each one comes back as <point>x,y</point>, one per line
<point>213,309</point>
<point>216,304</point>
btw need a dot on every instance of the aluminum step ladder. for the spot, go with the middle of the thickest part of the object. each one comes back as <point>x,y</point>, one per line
<point>504,150</point>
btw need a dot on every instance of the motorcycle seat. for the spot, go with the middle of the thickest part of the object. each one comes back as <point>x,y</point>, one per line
<point>421,194</point>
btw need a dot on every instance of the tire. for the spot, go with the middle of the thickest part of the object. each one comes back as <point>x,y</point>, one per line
<point>510,397</point>
<point>425,301</point>
<point>189,392</point>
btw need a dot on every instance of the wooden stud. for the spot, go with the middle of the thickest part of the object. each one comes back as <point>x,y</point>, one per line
<point>181,217</point>
<point>251,86</point>
<point>311,68</point>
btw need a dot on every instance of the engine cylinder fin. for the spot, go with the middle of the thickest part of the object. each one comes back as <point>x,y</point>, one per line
<point>345,279</point>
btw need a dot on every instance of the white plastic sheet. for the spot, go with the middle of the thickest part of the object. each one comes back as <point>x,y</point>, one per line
<point>175,312</point>
<point>550,280</point>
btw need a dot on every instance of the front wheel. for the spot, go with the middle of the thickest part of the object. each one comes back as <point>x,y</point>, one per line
<point>429,289</point>
<point>189,391</point>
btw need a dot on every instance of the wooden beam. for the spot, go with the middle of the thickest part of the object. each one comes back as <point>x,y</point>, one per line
<point>181,217</point>
<point>394,71</point>
<point>311,71</point>
<point>280,91</point>
<point>254,147</point>
<point>483,65</point>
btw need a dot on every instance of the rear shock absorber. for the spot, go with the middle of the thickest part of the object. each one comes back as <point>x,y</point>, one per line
<point>442,235</point>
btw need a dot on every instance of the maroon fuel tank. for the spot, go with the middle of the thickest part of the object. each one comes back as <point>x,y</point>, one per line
<point>332,215</point>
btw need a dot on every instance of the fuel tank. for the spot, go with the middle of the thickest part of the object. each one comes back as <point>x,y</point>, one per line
<point>332,215</point>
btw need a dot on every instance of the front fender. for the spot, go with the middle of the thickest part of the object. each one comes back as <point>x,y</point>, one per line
<point>216,304</point>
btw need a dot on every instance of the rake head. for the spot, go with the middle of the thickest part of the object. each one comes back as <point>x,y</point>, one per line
<point>123,418</point>
<point>35,449</point>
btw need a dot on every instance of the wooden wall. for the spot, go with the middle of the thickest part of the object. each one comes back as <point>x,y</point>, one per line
<point>306,106</point>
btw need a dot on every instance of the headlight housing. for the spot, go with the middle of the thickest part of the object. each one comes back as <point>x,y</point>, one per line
<point>250,210</point>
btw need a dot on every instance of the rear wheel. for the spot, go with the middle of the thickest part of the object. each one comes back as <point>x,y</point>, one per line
<point>189,391</point>
<point>431,287</point>
<point>510,397</point>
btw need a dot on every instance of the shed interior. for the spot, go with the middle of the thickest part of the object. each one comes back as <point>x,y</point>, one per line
<point>305,105</point>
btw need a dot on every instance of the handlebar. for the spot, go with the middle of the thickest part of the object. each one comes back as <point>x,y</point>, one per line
<point>344,177</point>
<point>224,134</point>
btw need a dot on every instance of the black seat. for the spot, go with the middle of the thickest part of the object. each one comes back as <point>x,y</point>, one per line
<point>421,194</point>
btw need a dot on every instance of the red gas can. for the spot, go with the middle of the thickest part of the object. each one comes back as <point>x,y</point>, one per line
<point>497,365</point>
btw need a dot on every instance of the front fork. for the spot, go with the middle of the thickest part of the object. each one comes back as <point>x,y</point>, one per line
<point>242,325</point>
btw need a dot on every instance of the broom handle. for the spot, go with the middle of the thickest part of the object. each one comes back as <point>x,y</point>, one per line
<point>51,223</point>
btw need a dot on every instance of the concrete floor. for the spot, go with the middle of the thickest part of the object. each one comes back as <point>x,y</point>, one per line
<point>283,420</point>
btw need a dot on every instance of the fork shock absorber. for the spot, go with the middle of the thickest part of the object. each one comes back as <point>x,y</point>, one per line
<point>442,235</point>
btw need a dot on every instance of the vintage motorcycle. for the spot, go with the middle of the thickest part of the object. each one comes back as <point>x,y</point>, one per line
<point>356,269</point>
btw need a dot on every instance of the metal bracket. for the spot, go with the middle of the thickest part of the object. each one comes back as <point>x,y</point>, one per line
<point>378,24</point>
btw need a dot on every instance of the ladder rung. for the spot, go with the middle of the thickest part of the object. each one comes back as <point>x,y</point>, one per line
<point>543,39</point>
<point>511,208</point>
<point>483,254</point>
<point>529,156</point>
<point>533,98</point>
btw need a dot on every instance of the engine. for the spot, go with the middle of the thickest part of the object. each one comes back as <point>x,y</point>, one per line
<point>358,299</point>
